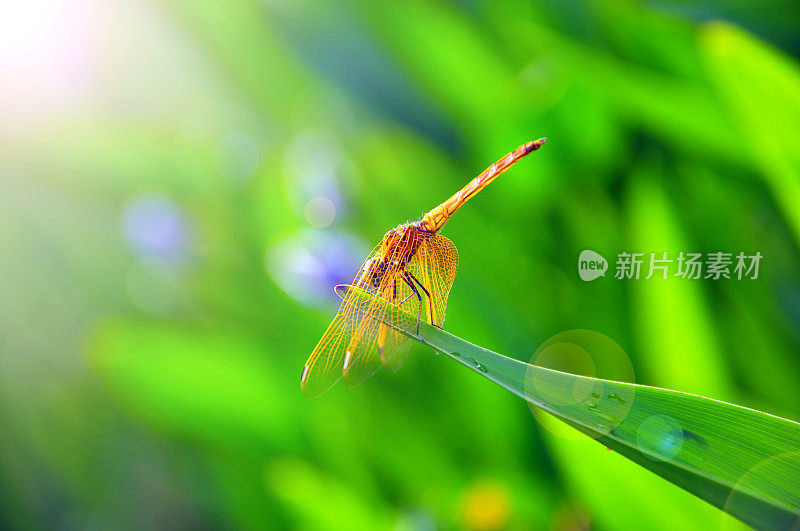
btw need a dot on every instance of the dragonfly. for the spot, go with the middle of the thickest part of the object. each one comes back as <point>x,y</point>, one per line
<point>413,268</point>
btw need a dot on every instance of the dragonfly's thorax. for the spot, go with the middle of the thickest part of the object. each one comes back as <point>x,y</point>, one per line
<point>398,246</point>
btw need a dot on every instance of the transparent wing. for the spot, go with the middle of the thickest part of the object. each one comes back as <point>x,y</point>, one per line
<point>325,365</point>
<point>374,342</point>
<point>359,340</point>
<point>399,354</point>
<point>434,265</point>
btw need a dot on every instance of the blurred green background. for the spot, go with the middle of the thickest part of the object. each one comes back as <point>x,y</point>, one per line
<point>182,183</point>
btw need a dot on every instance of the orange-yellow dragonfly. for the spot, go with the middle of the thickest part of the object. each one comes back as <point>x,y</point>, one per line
<point>412,267</point>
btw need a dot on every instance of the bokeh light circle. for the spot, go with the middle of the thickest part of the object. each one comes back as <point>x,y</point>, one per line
<point>659,437</point>
<point>756,476</point>
<point>584,353</point>
<point>219,144</point>
<point>566,357</point>
<point>320,212</point>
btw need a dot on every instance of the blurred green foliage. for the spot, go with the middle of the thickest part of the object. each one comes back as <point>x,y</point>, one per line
<point>165,274</point>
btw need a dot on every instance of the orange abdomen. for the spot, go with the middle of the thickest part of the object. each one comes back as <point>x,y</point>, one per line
<point>436,218</point>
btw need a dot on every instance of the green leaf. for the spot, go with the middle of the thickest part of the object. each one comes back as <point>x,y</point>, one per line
<point>217,388</point>
<point>761,87</point>
<point>743,461</point>
<point>680,110</point>
<point>672,323</point>
<point>294,482</point>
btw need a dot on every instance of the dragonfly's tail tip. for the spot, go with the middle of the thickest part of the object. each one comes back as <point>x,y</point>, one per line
<point>533,146</point>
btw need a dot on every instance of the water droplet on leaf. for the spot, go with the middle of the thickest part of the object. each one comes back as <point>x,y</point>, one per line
<point>479,366</point>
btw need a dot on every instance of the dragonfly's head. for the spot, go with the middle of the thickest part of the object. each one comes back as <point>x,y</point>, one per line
<point>373,272</point>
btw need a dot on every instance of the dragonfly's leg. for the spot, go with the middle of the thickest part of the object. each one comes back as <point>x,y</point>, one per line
<point>377,295</point>
<point>419,297</point>
<point>404,300</point>
<point>428,294</point>
<point>407,296</point>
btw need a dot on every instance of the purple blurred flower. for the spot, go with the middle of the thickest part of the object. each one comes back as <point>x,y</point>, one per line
<point>307,264</point>
<point>153,225</point>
